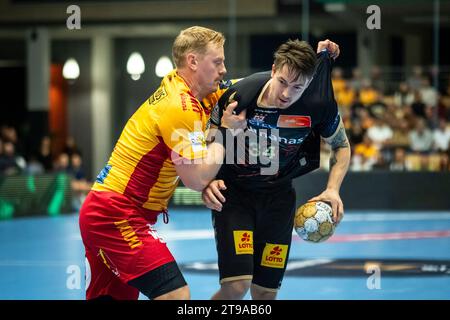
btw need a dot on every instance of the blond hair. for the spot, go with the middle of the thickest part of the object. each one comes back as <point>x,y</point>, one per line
<point>194,39</point>
<point>298,56</point>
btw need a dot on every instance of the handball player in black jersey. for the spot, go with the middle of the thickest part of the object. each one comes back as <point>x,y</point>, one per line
<point>289,110</point>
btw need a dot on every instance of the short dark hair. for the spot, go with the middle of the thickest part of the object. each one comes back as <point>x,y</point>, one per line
<point>298,56</point>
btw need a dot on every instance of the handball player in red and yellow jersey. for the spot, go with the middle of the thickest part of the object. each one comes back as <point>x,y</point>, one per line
<point>164,141</point>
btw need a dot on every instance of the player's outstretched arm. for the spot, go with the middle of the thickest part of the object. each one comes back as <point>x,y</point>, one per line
<point>339,163</point>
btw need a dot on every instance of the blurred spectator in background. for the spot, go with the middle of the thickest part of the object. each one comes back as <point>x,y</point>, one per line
<point>418,106</point>
<point>389,120</point>
<point>1,156</point>
<point>421,138</point>
<point>325,153</point>
<point>443,109</point>
<point>356,80</point>
<point>403,97</point>
<point>398,163</point>
<point>393,114</point>
<point>34,166</point>
<point>429,94</point>
<point>44,155</point>
<point>380,133</point>
<point>62,164</point>
<point>76,166</point>
<point>365,156</point>
<point>368,95</point>
<point>337,79</point>
<point>441,137</point>
<point>446,103</point>
<point>382,162</point>
<point>400,135</point>
<point>10,162</point>
<point>79,183</point>
<point>365,118</point>
<point>356,134</point>
<point>414,81</point>
<point>9,134</point>
<point>377,80</point>
<point>70,146</point>
<point>378,109</point>
<point>345,97</point>
<point>356,107</point>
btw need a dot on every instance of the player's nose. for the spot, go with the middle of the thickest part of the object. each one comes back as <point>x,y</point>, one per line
<point>286,93</point>
<point>223,71</point>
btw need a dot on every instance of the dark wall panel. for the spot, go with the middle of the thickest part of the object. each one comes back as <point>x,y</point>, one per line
<point>383,190</point>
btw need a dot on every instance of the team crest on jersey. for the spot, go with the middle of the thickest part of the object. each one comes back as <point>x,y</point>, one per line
<point>158,95</point>
<point>259,120</point>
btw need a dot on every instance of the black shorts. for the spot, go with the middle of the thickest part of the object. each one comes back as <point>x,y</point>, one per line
<point>253,234</point>
<point>159,281</point>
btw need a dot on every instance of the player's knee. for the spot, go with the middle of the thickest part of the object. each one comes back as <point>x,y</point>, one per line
<point>261,293</point>
<point>236,289</point>
<point>184,293</point>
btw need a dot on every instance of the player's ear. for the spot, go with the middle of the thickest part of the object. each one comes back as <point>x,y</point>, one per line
<point>273,70</point>
<point>191,61</point>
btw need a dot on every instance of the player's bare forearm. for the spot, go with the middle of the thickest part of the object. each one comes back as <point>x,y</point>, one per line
<point>210,167</point>
<point>339,163</point>
<point>339,159</point>
<point>197,174</point>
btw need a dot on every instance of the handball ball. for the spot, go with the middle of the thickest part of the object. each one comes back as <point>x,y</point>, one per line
<point>313,221</point>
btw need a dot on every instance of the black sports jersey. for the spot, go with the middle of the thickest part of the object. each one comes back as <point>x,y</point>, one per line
<point>280,144</point>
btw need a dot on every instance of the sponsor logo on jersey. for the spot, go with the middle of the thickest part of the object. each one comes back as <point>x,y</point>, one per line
<point>198,141</point>
<point>274,255</point>
<point>196,107</point>
<point>293,121</point>
<point>183,101</point>
<point>243,241</point>
<point>276,137</point>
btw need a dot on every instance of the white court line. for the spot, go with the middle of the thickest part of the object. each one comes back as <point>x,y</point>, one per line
<point>306,263</point>
<point>198,234</point>
<point>173,235</point>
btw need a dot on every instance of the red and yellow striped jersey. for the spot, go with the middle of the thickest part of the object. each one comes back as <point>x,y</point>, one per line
<point>140,166</point>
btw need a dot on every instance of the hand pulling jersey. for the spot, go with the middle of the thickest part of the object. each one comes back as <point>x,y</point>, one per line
<point>289,136</point>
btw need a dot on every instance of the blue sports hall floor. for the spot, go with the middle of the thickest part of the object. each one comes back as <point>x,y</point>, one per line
<point>372,255</point>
